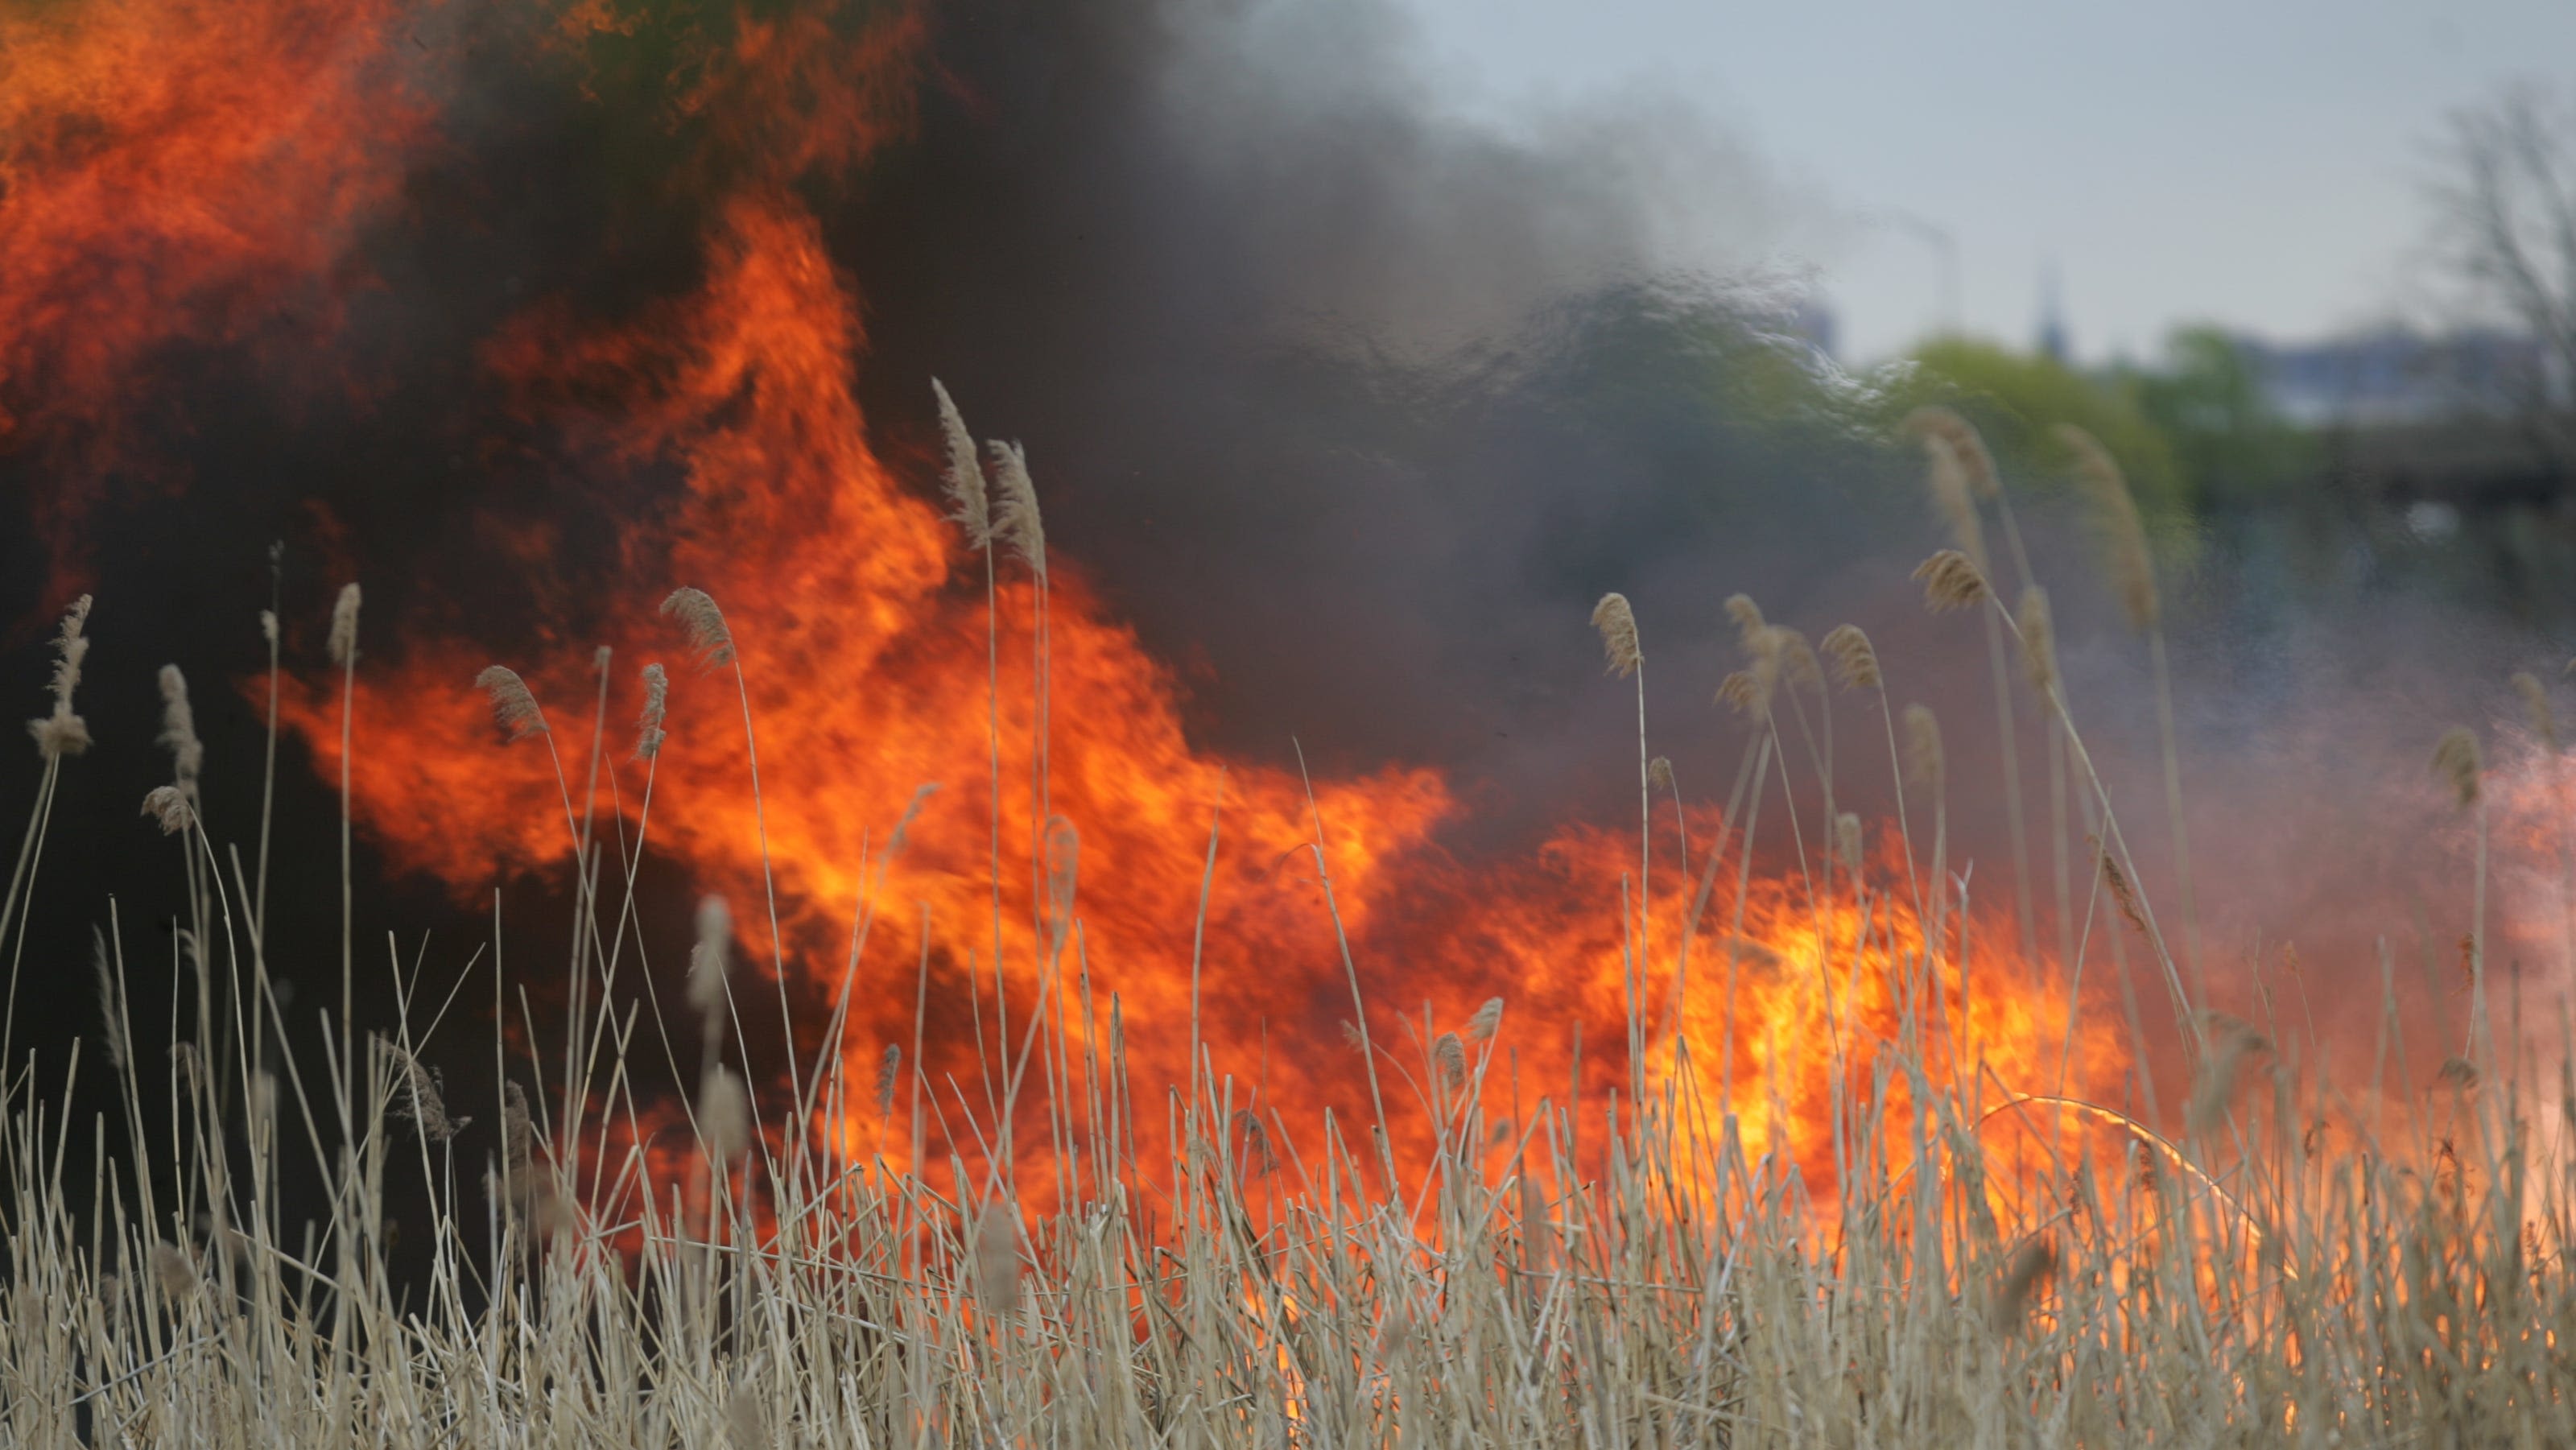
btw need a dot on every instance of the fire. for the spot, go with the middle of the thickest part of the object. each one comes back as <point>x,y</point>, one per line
<point>860,617</point>
<point>177,170</point>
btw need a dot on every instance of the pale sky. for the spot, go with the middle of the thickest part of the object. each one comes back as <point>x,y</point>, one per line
<point>2258,163</point>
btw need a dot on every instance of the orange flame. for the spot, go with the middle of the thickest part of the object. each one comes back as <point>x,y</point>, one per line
<point>176,169</point>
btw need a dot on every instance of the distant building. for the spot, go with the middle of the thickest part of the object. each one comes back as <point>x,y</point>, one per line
<point>2052,340</point>
<point>2422,422</point>
<point>2394,376</point>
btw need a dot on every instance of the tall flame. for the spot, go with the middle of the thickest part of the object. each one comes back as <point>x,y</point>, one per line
<point>177,168</point>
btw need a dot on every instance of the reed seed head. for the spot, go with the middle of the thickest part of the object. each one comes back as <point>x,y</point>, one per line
<point>707,966</point>
<point>702,624</point>
<point>179,730</point>
<point>1923,760</point>
<point>2535,704</point>
<point>1063,866</point>
<point>1798,660</point>
<point>344,626</point>
<point>268,625</point>
<point>968,494</point>
<point>1017,523</point>
<point>2038,640</point>
<point>514,706</point>
<point>1953,499</point>
<point>175,1270</point>
<point>2028,1272</point>
<point>1659,773</point>
<point>888,1068</point>
<point>417,1098</point>
<point>649,734</point>
<point>747,1419</point>
<point>1976,464</point>
<point>997,1258</point>
<point>111,1008</point>
<point>2455,762</point>
<point>167,805</point>
<point>2458,1074</point>
<point>1847,840</point>
<point>63,732</point>
<point>724,1114</point>
<point>2231,1041</point>
<point>1618,626</point>
<point>1951,580</point>
<point>1481,1027</point>
<point>1452,1054</point>
<point>1855,660</point>
<point>2122,533</point>
<point>1747,615</point>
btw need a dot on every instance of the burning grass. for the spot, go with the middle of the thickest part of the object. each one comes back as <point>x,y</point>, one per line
<point>1894,1209</point>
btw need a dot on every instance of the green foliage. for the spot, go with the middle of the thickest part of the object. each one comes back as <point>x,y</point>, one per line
<point>2016,398</point>
<point>2230,444</point>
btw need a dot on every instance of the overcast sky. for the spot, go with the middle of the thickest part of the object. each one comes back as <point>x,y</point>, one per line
<point>2259,163</point>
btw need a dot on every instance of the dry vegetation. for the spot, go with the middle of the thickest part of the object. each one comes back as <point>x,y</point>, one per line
<point>1618,1273</point>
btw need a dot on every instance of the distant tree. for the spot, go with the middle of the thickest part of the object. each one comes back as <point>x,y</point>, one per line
<point>2229,443</point>
<point>2505,222</point>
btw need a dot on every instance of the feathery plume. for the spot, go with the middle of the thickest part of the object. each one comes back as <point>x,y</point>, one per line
<point>514,707</point>
<point>111,1010</point>
<point>707,959</point>
<point>1749,690</point>
<point>2535,702</point>
<point>2455,761</point>
<point>518,1140</point>
<point>964,479</point>
<point>1953,498</point>
<point>1618,626</point>
<point>747,1420</point>
<point>1847,840</point>
<point>1855,661</point>
<point>1063,868</point>
<point>724,1114</point>
<point>1488,1018</point>
<point>167,805</point>
<point>2231,1041</point>
<point>1351,1037</point>
<point>1976,465</point>
<point>1923,761</point>
<point>1017,522</point>
<point>1951,580</point>
<point>2038,640</point>
<point>1453,1058</point>
<point>888,1068</point>
<point>2458,1073</point>
<point>1659,773</point>
<point>2117,881</point>
<point>657,702</point>
<point>419,1100</point>
<point>2115,516</point>
<point>1748,619</point>
<point>2030,1269</point>
<point>268,625</point>
<point>1798,660</point>
<point>179,730</point>
<point>62,732</point>
<point>344,625</point>
<point>175,1270</point>
<point>703,624</point>
<point>997,1258</point>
